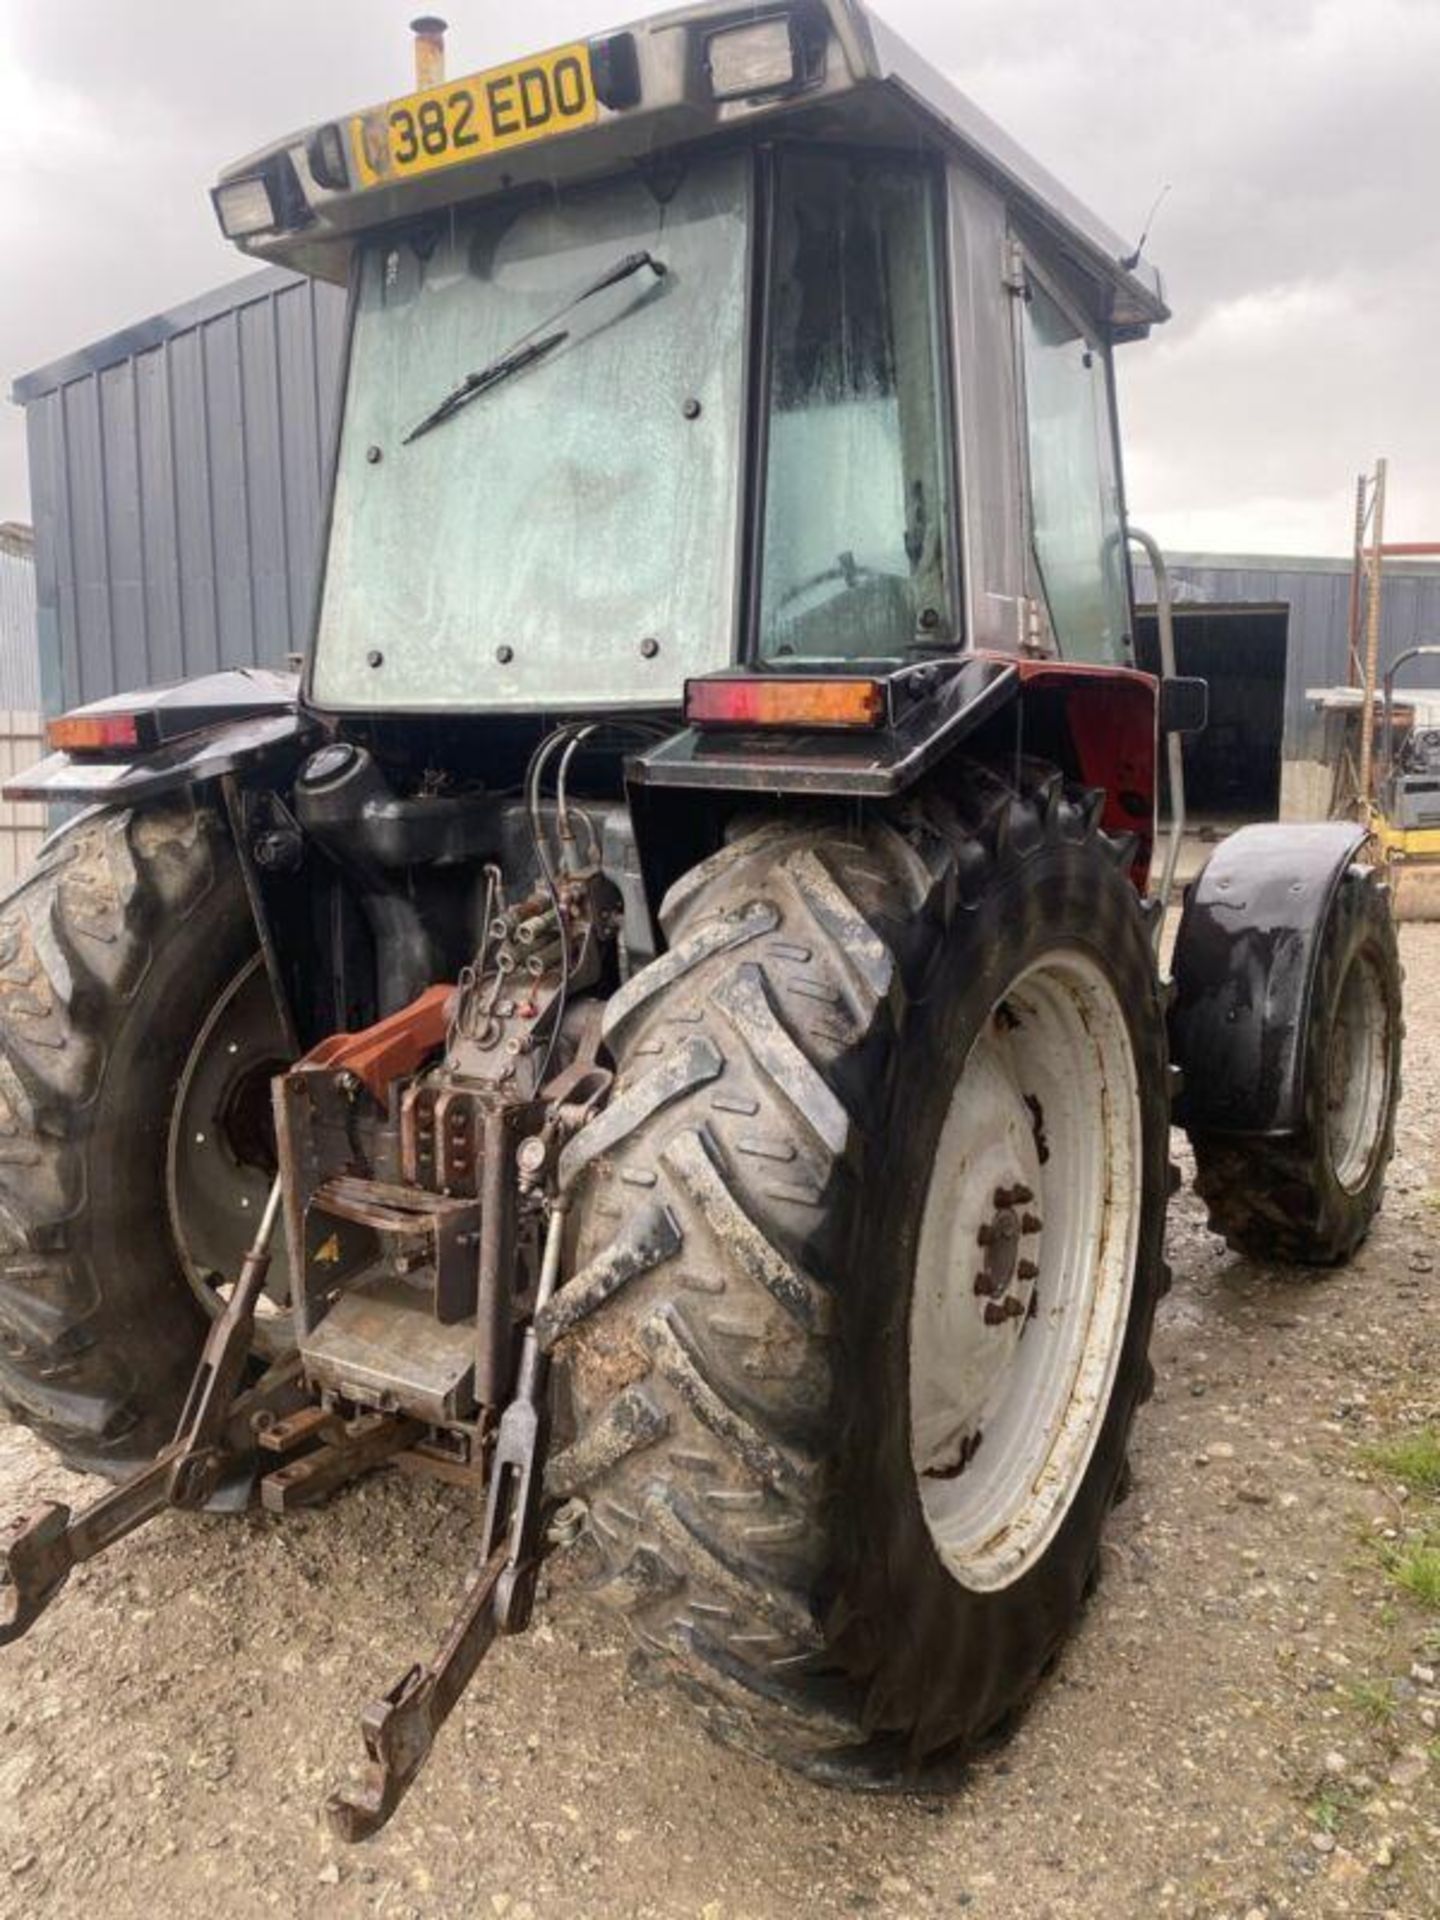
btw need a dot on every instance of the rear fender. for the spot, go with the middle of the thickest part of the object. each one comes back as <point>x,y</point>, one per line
<point>1098,723</point>
<point>1245,963</point>
<point>189,733</point>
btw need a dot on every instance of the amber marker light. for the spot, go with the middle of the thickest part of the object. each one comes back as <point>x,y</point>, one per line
<point>773,702</point>
<point>92,732</point>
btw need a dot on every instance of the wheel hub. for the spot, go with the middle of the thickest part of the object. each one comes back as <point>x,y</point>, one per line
<point>1008,1272</point>
<point>1357,1081</point>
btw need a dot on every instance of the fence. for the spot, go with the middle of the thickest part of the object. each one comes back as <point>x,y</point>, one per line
<point>22,826</point>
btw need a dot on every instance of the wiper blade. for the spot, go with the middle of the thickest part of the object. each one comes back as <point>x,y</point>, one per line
<point>474,384</point>
<point>528,349</point>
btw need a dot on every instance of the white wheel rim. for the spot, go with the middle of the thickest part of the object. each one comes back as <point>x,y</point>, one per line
<point>1358,1073</point>
<point>1025,1269</point>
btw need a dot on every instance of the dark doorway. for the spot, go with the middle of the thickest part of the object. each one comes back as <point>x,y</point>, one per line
<point>1232,770</point>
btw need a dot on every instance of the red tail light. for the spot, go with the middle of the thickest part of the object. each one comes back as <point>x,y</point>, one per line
<point>92,732</point>
<point>770,701</point>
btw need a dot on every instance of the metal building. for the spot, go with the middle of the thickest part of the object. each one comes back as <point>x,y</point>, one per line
<point>176,474</point>
<point>1267,634</point>
<point>21,826</point>
<point>19,652</point>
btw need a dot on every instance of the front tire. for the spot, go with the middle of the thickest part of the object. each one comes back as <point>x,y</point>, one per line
<point>746,1355</point>
<point>1309,1197</point>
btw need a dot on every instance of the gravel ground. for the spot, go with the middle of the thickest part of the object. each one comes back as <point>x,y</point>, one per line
<point>1244,1726</point>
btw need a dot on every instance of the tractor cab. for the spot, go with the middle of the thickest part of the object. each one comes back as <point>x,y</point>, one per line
<point>716,340</point>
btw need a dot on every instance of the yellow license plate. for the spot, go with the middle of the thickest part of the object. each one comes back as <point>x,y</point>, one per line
<point>464,120</point>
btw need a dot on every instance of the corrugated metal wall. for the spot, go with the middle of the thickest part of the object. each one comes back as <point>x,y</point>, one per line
<point>19,651</point>
<point>1317,593</point>
<point>176,476</point>
<point>22,827</point>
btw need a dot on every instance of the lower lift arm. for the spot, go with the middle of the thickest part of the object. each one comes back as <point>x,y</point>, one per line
<point>399,1729</point>
<point>51,1543</point>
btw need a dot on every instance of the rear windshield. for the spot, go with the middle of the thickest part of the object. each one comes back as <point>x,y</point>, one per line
<point>568,538</point>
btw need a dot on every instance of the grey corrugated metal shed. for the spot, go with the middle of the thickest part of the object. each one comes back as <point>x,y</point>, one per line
<point>19,653</point>
<point>176,475</point>
<point>1317,594</point>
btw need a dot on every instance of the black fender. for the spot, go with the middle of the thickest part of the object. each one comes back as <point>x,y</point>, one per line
<point>1099,724</point>
<point>183,735</point>
<point>928,710</point>
<point>1244,971</point>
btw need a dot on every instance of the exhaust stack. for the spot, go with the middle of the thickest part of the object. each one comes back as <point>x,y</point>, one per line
<point>429,32</point>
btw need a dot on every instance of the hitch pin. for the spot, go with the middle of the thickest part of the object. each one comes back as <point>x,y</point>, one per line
<point>44,1550</point>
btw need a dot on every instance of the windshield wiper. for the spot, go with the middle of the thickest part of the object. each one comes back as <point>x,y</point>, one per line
<point>474,384</point>
<point>528,349</point>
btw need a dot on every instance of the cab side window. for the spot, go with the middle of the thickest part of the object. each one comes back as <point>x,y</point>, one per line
<point>1075,518</point>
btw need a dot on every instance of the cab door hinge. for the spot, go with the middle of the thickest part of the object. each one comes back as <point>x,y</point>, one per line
<point>1035,637</point>
<point>1012,267</point>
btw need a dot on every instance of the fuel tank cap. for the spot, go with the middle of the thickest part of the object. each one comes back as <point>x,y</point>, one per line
<point>329,764</point>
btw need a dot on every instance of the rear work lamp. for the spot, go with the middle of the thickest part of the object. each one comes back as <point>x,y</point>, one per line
<point>825,705</point>
<point>760,57</point>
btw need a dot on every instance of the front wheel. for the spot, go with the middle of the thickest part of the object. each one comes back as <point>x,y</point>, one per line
<point>1308,1197</point>
<point>870,1246</point>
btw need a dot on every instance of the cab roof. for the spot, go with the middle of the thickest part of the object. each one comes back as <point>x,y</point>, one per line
<point>654,87</point>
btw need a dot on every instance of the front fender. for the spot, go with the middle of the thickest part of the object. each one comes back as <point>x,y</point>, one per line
<point>1244,969</point>
<point>191,732</point>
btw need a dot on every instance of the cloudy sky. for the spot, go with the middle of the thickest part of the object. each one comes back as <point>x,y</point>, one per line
<point>1300,240</point>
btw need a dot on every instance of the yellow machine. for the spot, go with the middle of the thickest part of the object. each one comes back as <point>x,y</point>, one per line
<point>1405,809</point>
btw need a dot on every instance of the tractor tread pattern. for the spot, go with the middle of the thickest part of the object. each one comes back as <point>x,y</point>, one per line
<point>1272,1199</point>
<point>793,953</point>
<point>77,937</point>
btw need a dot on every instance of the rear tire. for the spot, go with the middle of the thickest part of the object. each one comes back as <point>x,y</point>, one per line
<point>113,950</point>
<point>1309,1198</point>
<point>735,1350</point>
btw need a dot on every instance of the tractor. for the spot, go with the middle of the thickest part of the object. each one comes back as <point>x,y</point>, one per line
<point>661,1024</point>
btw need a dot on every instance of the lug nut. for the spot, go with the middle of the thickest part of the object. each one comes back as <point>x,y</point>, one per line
<point>1031,1223</point>
<point>1027,1270</point>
